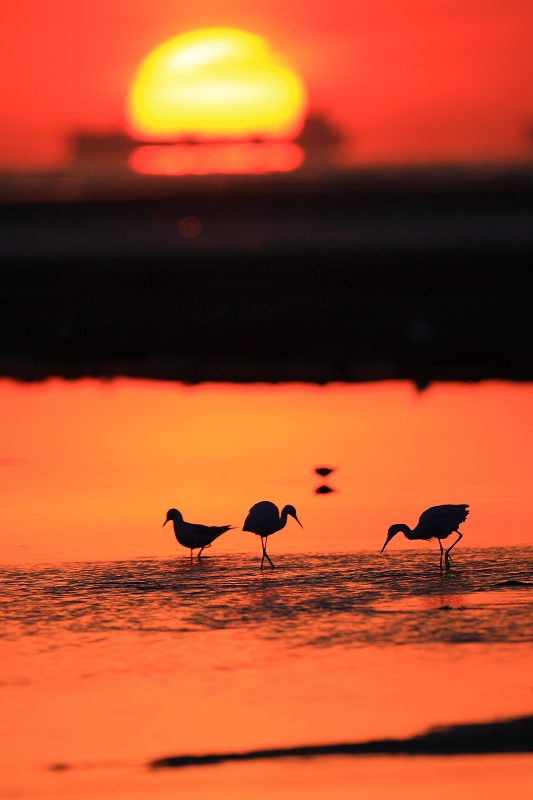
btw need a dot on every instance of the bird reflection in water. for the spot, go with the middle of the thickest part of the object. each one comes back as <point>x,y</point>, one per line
<point>194,536</point>
<point>264,519</point>
<point>437,522</point>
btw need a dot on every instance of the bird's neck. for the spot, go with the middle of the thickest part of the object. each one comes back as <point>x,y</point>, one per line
<point>283,518</point>
<point>405,529</point>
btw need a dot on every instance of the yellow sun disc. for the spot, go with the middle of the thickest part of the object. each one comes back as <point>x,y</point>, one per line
<point>215,83</point>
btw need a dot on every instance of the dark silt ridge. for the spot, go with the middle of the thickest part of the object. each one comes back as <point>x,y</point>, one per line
<point>507,736</point>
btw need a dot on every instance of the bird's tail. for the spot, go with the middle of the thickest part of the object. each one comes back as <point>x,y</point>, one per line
<point>222,529</point>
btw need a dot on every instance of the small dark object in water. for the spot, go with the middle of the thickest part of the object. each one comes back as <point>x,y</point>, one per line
<point>324,490</point>
<point>513,582</point>
<point>59,767</point>
<point>445,608</point>
<point>324,471</point>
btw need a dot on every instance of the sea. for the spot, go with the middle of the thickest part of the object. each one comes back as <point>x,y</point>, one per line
<point>110,664</point>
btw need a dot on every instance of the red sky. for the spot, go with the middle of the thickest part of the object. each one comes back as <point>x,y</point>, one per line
<point>407,80</point>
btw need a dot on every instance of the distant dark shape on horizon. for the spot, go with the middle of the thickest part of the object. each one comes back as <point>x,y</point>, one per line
<point>319,132</point>
<point>324,489</point>
<point>437,522</point>
<point>324,471</point>
<point>109,151</point>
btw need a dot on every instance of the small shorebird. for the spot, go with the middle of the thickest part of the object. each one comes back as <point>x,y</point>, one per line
<point>194,536</point>
<point>437,522</point>
<point>264,519</point>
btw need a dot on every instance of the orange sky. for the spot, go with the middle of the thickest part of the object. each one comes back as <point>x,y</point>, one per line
<point>89,469</point>
<point>408,80</point>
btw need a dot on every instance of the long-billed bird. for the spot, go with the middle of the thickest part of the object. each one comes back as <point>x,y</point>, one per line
<point>264,519</point>
<point>437,522</point>
<point>194,536</point>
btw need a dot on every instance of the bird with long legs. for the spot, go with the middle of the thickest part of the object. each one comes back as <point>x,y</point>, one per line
<point>194,536</point>
<point>437,522</point>
<point>264,519</point>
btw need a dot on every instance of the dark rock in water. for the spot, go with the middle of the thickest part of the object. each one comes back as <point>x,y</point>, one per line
<point>513,582</point>
<point>324,490</point>
<point>324,471</point>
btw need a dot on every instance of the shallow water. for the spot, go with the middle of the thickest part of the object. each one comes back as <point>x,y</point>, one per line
<point>108,665</point>
<point>307,601</point>
<point>116,649</point>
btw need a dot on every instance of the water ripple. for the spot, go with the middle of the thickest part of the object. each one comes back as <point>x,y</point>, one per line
<point>309,600</point>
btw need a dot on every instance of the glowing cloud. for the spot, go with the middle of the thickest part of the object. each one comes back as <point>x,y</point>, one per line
<point>215,83</point>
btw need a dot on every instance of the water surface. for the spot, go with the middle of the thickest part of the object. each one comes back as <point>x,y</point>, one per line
<point>107,665</point>
<point>116,649</point>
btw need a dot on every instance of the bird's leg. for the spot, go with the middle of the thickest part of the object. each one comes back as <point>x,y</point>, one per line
<point>441,553</point>
<point>447,557</point>
<point>265,554</point>
<point>201,549</point>
<point>191,553</point>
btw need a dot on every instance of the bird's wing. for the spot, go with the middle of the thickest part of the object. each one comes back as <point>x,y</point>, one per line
<point>218,530</point>
<point>444,518</point>
<point>263,516</point>
<point>200,530</point>
<point>191,535</point>
<point>209,531</point>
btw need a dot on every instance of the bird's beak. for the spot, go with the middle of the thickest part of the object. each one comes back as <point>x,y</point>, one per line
<point>298,521</point>
<point>164,523</point>
<point>385,545</point>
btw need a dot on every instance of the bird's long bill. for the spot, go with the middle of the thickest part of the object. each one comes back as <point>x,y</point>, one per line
<point>298,521</point>
<point>385,545</point>
<point>164,523</point>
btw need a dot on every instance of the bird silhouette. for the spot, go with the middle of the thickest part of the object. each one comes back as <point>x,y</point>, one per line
<point>194,536</point>
<point>437,522</point>
<point>264,519</point>
<point>324,471</point>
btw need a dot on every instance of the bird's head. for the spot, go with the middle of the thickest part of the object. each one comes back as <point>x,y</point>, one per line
<point>393,530</point>
<point>290,511</point>
<point>173,514</point>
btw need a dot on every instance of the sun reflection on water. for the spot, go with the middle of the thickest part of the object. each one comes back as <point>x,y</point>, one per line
<point>253,158</point>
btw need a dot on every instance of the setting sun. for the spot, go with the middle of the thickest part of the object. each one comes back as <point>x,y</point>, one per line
<point>215,83</point>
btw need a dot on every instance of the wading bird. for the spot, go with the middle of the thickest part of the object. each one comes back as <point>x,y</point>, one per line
<point>194,536</point>
<point>437,522</point>
<point>264,519</point>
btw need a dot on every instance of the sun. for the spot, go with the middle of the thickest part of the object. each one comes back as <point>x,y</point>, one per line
<point>213,84</point>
